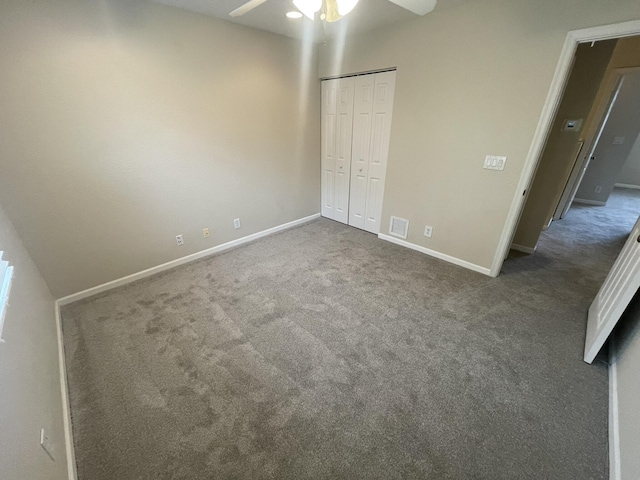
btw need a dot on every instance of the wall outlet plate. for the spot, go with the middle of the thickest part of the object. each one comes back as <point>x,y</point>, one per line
<point>236,223</point>
<point>179,240</point>
<point>428,231</point>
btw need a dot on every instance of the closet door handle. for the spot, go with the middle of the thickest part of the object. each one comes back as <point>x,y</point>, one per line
<point>360,169</point>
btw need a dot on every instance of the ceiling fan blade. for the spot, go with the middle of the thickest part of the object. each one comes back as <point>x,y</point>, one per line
<point>247,7</point>
<point>419,7</point>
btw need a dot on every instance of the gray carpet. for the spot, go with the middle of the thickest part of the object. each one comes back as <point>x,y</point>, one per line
<point>325,353</point>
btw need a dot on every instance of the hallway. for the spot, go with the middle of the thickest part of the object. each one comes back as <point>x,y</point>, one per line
<point>581,248</point>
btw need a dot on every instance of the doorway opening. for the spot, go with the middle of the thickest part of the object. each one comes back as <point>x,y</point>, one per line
<point>591,148</point>
<point>584,201</point>
<point>545,125</point>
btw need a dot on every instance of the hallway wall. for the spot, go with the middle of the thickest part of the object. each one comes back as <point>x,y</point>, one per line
<point>630,174</point>
<point>614,147</point>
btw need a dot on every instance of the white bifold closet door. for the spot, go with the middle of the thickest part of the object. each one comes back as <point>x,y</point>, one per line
<point>359,150</point>
<point>337,125</point>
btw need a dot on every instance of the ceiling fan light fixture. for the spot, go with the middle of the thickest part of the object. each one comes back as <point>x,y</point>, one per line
<point>345,6</point>
<point>309,8</point>
<point>331,11</point>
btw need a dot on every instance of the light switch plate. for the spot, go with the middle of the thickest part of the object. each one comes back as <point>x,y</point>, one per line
<point>572,125</point>
<point>494,162</point>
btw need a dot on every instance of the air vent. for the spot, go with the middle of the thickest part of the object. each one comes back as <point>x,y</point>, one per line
<point>399,227</point>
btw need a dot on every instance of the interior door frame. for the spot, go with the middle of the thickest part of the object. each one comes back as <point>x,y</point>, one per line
<point>545,123</point>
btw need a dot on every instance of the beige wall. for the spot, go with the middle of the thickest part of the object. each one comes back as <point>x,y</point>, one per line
<point>29,376</point>
<point>128,123</point>
<point>630,174</point>
<point>471,81</point>
<point>559,155</point>
<point>609,158</point>
<point>626,53</point>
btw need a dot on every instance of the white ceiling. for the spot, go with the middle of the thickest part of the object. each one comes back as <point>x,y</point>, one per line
<point>270,16</point>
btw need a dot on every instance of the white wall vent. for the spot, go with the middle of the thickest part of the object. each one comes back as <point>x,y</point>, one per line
<point>6,274</point>
<point>399,227</point>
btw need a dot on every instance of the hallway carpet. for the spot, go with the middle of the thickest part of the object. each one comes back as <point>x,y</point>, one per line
<point>325,353</point>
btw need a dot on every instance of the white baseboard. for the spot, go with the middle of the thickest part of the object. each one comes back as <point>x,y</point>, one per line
<point>66,410</point>
<point>589,202</point>
<point>433,253</point>
<point>74,297</point>
<point>523,249</point>
<point>614,420</point>
<point>627,185</point>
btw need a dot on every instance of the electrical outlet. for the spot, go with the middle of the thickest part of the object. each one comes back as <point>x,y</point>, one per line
<point>598,189</point>
<point>428,231</point>
<point>205,233</point>
<point>46,444</point>
<point>236,223</point>
<point>179,240</point>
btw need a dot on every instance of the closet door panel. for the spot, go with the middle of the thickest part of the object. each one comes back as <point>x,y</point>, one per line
<point>328,147</point>
<point>344,130</point>
<point>380,133</point>
<point>361,149</point>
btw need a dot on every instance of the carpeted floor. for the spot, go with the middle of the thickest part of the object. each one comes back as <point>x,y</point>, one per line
<point>325,353</point>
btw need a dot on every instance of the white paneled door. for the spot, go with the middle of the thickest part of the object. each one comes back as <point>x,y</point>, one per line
<point>336,134</point>
<point>344,128</point>
<point>356,125</point>
<point>328,147</point>
<point>616,292</point>
<point>361,150</point>
<point>380,133</point>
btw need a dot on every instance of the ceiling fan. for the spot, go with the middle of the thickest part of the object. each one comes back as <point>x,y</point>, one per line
<point>333,10</point>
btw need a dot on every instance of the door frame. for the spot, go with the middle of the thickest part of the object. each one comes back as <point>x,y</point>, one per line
<point>549,110</point>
